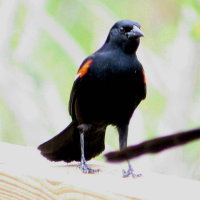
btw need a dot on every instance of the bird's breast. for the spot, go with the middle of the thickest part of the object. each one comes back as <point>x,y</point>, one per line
<point>111,92</point>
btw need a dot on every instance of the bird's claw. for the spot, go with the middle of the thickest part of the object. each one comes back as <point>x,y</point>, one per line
<point>129,172</point>
<point>86,169</point>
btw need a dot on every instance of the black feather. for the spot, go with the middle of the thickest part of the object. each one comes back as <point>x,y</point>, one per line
<point>106,92</point>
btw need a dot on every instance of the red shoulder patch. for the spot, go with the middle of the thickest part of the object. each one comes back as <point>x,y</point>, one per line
<point>84,68</point>
<point>144,77</point>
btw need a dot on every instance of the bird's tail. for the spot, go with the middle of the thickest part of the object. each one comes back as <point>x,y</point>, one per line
<point>66,145</point>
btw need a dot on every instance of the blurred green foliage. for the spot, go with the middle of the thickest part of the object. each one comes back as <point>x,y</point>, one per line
<point>31,50</point>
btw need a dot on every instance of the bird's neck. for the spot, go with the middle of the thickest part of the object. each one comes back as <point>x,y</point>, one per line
<point>128,48</point>
<point>131,48</point>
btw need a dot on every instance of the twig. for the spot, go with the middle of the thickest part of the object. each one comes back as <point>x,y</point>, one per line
<point>154,146</point>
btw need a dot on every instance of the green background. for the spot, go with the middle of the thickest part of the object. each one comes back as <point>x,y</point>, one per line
<point>42,44</point>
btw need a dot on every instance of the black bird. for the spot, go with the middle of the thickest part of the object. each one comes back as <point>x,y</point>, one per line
<point>154,145</point>
<point>109,86</point>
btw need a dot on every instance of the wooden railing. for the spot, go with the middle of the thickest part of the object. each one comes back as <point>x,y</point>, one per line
<point>26,175</point>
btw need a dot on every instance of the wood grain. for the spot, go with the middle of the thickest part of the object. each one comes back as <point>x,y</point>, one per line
<point>25,175</point>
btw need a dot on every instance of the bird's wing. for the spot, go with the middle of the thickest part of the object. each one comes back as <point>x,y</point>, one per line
<point>78,83</point>
<point>143,79</point>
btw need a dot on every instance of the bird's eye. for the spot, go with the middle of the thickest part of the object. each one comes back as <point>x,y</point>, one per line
<point>121,30</point>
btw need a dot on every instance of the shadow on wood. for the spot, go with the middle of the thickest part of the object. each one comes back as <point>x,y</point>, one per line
<point>26,175</point>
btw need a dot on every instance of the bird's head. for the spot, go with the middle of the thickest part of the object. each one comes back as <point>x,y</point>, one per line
<point>126,34</point>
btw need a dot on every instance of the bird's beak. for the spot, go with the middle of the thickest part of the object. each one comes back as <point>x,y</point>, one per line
<point>135,33</point>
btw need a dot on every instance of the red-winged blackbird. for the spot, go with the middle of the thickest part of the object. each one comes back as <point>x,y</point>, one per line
<point>109,86</point>
<point>154,145</point>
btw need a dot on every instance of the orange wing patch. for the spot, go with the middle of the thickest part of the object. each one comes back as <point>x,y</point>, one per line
<point>144,77</point>
<point>84,68</point>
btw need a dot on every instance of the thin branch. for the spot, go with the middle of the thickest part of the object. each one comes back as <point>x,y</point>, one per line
<point>154,146</point>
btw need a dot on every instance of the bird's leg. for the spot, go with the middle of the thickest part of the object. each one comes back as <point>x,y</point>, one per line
<point>123,136</point>
<point>83,164</point>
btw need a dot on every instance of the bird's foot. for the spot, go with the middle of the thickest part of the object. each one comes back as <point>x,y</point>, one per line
<point>86,169</point>
<point>130,172</point>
